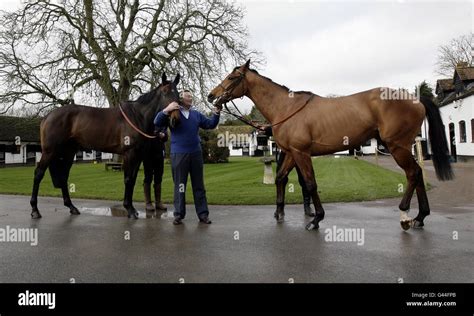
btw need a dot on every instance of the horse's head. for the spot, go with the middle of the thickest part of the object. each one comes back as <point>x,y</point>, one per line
<point>169,93</point>
<point>232,87</point>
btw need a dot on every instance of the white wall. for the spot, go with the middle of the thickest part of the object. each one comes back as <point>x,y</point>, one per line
<point>461,110</point>
<point>85,156</point>
<point>235,152</point>
<point>21,157</point>
<point>107,156</point>
<point>16,158</point>
<point>252,144</point>
<point>368,150</point>
<point>91,156</point>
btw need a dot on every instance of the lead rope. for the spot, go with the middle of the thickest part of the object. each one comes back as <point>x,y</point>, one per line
<point>242,119</point>
<point>133,125</point>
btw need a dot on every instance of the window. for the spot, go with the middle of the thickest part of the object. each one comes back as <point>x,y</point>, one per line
<point>472,130</point>
<point>462,132</point>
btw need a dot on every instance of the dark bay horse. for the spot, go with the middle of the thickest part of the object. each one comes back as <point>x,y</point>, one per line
<point>70,128</point>
<point>306,125</point>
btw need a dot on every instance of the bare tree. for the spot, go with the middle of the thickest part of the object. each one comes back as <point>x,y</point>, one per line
<point>105,51</point>
<point>459,50</point>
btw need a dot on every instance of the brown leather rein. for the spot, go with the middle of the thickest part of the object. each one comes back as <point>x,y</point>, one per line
<point>133,125</point>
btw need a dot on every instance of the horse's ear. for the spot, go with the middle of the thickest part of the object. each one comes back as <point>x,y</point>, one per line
<point>247,64</point>
<point>163,78</point>
<point>176,79</point>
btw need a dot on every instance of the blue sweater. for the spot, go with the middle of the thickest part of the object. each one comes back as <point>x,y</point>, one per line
<point>185,136</point>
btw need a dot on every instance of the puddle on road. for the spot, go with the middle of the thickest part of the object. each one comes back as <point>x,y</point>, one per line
<point>119,211</point>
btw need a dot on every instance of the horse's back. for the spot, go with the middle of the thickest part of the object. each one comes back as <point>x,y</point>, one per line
<point>382,106</point>
<point>346,115</point>
<point>84,124</point>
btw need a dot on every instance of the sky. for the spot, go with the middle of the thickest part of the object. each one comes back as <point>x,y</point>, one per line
<point>343,47</point>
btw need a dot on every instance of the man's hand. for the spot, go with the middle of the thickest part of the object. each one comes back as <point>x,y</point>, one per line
<point>216,110</point>
<point>171,107</point>
<point>161,135</point>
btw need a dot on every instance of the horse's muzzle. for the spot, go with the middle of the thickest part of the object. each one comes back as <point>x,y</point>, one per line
<point>216,101</point>
<point>210,98</point>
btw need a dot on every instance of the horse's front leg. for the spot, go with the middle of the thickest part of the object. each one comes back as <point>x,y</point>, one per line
<point>38,177</point>
<point>131,165</point>
<point>284,165</point>
<point>304,163</point>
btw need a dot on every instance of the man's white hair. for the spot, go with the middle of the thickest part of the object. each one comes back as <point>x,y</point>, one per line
<point>181,94</point>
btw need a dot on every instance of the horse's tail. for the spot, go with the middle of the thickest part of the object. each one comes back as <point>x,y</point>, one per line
<point>59,172</point>
<point>439,144</point>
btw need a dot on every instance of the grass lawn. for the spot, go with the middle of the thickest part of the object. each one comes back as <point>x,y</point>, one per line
<point>237,182</point>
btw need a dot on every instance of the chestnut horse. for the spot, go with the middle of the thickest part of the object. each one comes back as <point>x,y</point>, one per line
<point>73,127</point>
<point>305,125</point>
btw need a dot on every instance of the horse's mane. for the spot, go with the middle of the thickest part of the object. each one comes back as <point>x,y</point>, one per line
<point>280,85</point>
<point>146,98</point>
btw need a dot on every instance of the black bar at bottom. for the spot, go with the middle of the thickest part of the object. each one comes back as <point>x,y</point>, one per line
<point>136,299</point>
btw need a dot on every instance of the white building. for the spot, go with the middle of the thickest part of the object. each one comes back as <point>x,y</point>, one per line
<point>456,103</point>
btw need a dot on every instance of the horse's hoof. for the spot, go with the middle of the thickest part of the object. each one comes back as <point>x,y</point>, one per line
<point>418,224</point>
<point>406,224</point>
<point>279,217</point>
<point>312,226</point>
<point>74,211</point>
<point>35,215</point>
<point>133,215</point>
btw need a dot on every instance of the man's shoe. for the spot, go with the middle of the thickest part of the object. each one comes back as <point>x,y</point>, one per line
<point>177,220</point>
<point>205,219</point>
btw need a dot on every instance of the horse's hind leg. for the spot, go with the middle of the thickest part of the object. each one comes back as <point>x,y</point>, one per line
<point>303,161</point>
<point>68,160</point>
<point>284,166</point>
<point>38,176</point>
<point>306,195</point>
<point>413,172</point>
<point>424,206</point>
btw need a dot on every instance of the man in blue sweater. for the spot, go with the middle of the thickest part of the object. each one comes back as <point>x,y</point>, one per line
<point>186,155</point>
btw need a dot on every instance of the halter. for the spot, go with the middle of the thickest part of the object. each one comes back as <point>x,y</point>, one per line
<point>234,84</point>
<point>231,87</point>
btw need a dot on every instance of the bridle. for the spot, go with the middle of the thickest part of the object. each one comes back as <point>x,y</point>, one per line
<point>227,96</point>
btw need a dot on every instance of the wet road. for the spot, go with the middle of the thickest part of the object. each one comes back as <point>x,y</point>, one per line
<point>244,244</point>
